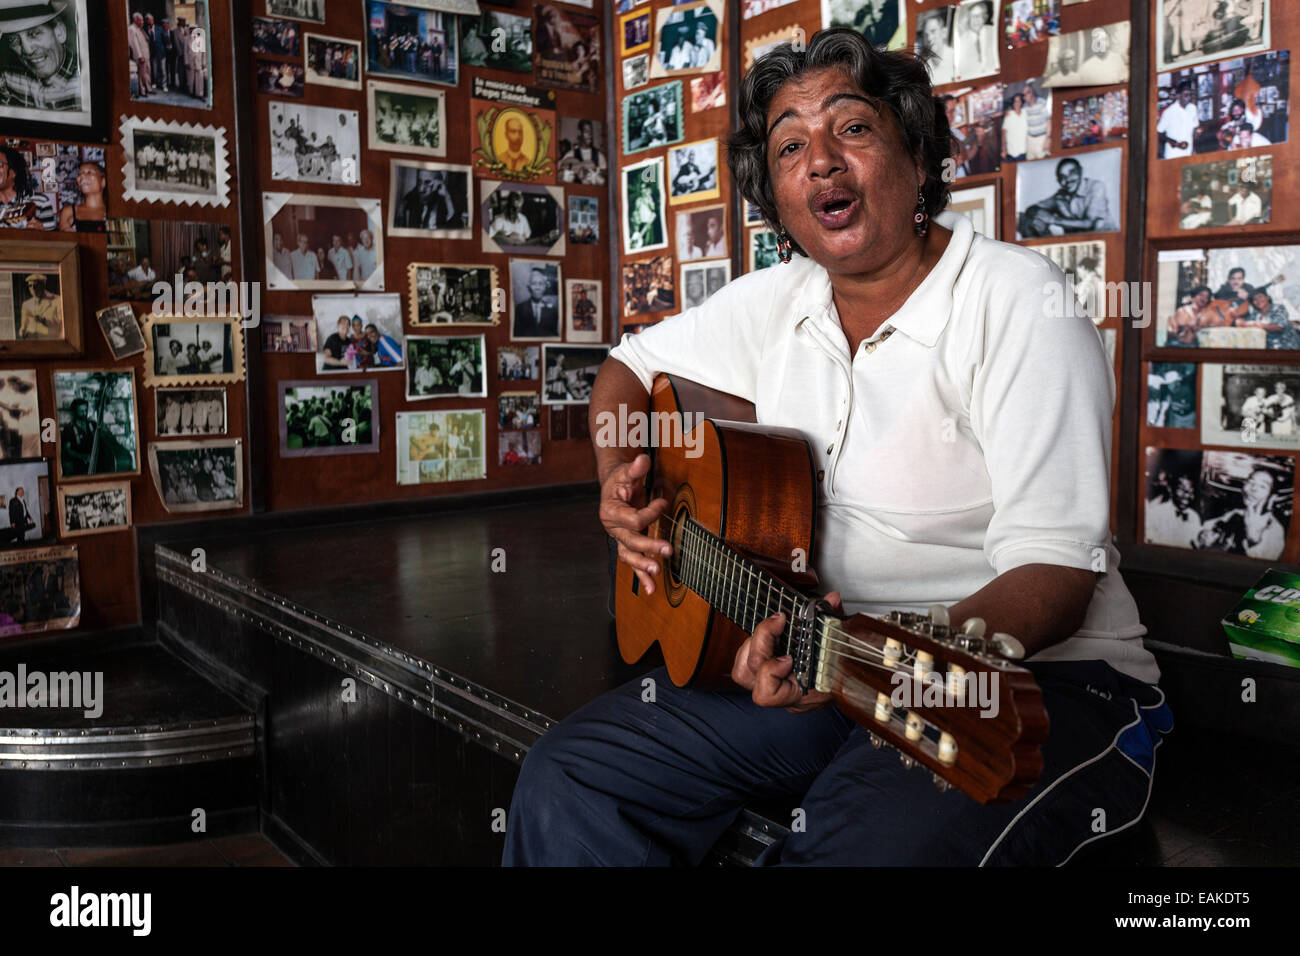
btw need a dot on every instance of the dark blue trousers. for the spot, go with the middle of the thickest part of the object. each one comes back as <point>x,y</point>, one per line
<point>628,782</point>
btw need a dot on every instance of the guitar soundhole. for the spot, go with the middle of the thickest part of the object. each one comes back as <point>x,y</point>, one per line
<point>683,506</point>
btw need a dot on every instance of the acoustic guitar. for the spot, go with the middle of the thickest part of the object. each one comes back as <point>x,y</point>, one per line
<point>742,520</point>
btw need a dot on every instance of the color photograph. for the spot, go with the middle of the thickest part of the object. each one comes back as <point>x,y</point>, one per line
<point>359,333</point>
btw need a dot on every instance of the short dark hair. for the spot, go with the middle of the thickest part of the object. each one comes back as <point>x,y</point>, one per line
<point>897,80</point>
<point>1236,269</point>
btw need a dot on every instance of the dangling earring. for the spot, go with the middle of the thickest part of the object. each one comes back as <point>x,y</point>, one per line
<point>783,247</point>
<point>921,221</point>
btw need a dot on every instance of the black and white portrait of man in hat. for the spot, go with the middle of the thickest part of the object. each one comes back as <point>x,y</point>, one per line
<point>43,61</point>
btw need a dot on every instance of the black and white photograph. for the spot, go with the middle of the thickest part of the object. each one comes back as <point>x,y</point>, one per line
<point>1071,196</point>
<point>522,218</point>
<point>174,163</point>
<point>1239,297</point>
<point>198,475</point>
<point>636,71</point>
<point>315,144</point>
<point>94,508</point>
<point>26,499</point>
<point>316,243</point>
<point>701,279</point>
<point>535,289</point>
<point>280,78</point>
<point>411,43</point>
<point>976,34</point>
<point>276,37</point>
<point>1250,405</point>
<point>167,45</point>
<point>1084,265</point>
<point>1026,120</point>
<point>40,590</point>
<point>566,48</point>
<point>1171,395</point>
<point>1226,192</point>
<point>1172,512</point>
<point>1193,31</point>
<point>430,200</point>
<point>142,252</point>
<point>649,286</point>
<point>181,351</point>
<point>47,62</point>
<point>1236,104</point>
<point>934,41</point>
<point>442,294</point>
<point>518,411</point>
<point>407,119</point>
<point>32,306</point>
<point>97,424</point>
<point>20,415</point>
<point>653,117</point>
<point>585,310</point>
<point>581,149</point>
<point>334,419</point>
<point>443,366</point>
<point>331,61</point>
<point>180,412</point>
<point>645,211</point>
<point>569,371</point>
<point>762,251</point>
<point>693,172</point>
<point>121,330</point>
<point>359,333</point>
<point>882,22</point>
<point>312,10</point>
<point>517,363</point>
<point>498,41</point>
<point>584,219</point>
<point>519,448</point>
<point>439,446</point>
<point>1094,57</point>
<point>687,39</point>
<point>288,333</point>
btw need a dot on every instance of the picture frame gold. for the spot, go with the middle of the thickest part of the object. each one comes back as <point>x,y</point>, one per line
<point>49,259</point>
<point>152,377</point>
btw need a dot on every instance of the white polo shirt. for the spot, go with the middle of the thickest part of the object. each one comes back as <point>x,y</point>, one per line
<point>972,440</point>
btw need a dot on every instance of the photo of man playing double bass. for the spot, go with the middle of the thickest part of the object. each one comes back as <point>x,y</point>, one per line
<point>97,423</point>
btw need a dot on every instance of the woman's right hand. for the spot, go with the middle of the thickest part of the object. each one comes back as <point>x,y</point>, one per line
<point>625,522</point>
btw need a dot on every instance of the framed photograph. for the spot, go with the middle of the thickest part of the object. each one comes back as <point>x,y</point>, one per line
<point>288,333</point>
<point>636,71</point>
<point>980,205</point>
<point>121,330</point>
<point>359,333</point>
<point>26,503</point>
<point>688,39</point>
<point>975,121</point>
<point>280,78</point>
<point>429,200</point>
<point>709,91</point>
<point>445,366</point>
<point>331,61</point>
<point>517,362</point>
<point>644,210</point>
<point>566,48</point>
<point>649,286</point>
<point>198,475</point>
<point>702,233</point>
<point>535,286</point>
<point>318,418</point>
<point>1193,35</point>
<point>98,431</point>
<point>581,151</point>
<point>976,34</point>
<point>441,446</point>
<point>1091,120</point>
<point>20,425</point>
<point>519,411</point>
<point>934,40</point>
<point>1026,120</point>
<point>40,298</point>
<point>882,22</point>
<point>584,219</point>
<point>40,590</point>
<point>180,350</point>
<point>569,371</point>
<point>1239,297</point>
<point>1249,405</point>
<point>189,411</point>
<point>522,218</point>
<point>314,144</point>
<point>701,279</point>
<point>54,186</point>
<point>1031,21</point>
<point>1237,104</point>
<point>172,162</point>
<point>322,242</point>
<point>761,249</point>
<point>406,119</point>
<point>693,171</point>
<point>519,448</point>
<point>755,47</point>
<point>313,10</point>
<point>513,142</point>
<point>498,41</point>
<point>143,252</point>
<point>49,77</point>
<point>169,59</point>
<point>94,508</point>
<point>653,117</point>
<point>753,8</point>
<point>1075,195</point>
<point>443,294</point>
<point>276,37</point>
<point>585,308</point>
<point>1094,57</point>
<point>411,43</point>
<point>1227,192</point>
<point>1171,394</point>
<point>634,32</point>
<point>1084,265</point>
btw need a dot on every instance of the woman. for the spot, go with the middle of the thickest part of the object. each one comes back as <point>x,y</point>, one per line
<point>940,483</point>
<point>90,213</point>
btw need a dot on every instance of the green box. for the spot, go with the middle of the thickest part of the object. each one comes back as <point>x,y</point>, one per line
<point>1265,625</point>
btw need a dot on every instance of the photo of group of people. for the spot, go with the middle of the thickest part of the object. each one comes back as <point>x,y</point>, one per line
<point>359,332</point>
<point>174,162</point>
<point>452,295</point>
<point>412,43</point>
<point>52,186</point>
<point>1090,120</point>
<point>517,362</point>
<point>315,144</point>
<point>1236,104</point>
<point>198,475</point>
<point>439,366</point>
<point>649,286</point>
<point>322,242</point>
<point>1239,297</point>
<point>94,508</point>
<point>959,42</point>
<point>1250,405</point>
<point>190,411</point>
<point>168,54</point>
<point>40,589</point>
<point>440,446</point>
<point>406,120</point>
<point>333,62</point>
<point>317,419</point>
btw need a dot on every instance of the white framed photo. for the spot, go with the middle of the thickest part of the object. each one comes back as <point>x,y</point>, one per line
<point>445,366</point>
<point>979,204</point>
<point>314,144</point>
<point>179,412</point>
<point>430,200</point>
<point>332,61</point>
<point>701,279</point>
<point>535,289</point>
<point>359,333</point>
<point>319,243</point>
<point>172,162</point>
<point>94,508</point>
<point>645,208</point>
<point>406,119</point>
<point>584,308</point>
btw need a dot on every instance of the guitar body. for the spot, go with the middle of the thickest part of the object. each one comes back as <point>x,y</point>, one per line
<point>754,487</point>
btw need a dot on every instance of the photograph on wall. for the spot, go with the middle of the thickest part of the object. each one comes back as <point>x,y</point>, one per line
<point>701,279</point>
<point>98,433</point>
<point>517,362</point>
<point>276,37</point>
<point>1026,121</point>
<point>1172,512</point>
<point>522,218</point>
<point>1071,196</point>
<point>40,590</point>
<point>519,448</point>
<point>142,252</point>
<point>1091,120</point>
<point>441,446</point>
<point>693,172</point>
<point>512,142</point>
<point>167,46</point>
<point>498,41</point>
<point>1242,297</point>
<point>279,78</point>
<point>569,372</point>
<point>1093,57</point>
<point>406,119</point>
<point>645,211</point>
<point>312,10</point>
<point>288,333</point>
<point>708,91</point>
<point>49,58</point>
<point>1031,21</point>
<point>174,162</point>
<point>634,32</point>
<point>52,186</point>
<point>322,242</point>
<point>359,333</point>
<point>1193,31</point>
<point>636,71</point>
<point>331,61</point>
<point>1236,104</point>
<point>1084,265</point>
<point>535,289</point>
<point>584,219</point>
<point>429,200</point>
<point>198,475</point>
<point>687,39</point>
<point>1249,405</point>
<point>566,48</point>
<point>314,144</point>
<point>443,366</point>
<point>756,47</point>
<point>33,307</point>
<point>585,309</point>
<point>702,233</point>
<point>753,8</point>
<point>184,351</point>
<point>975,122</point>
<point>518,411</point>
<point>762,249</point>
<point>976,43</point>
<point>411,43</point>
<point>1226,192</point>
<point>649,286</point>
<point>26,503</point>
<point>20,416</point>
<point>94,508</point>
<point>317,419</point>
<point>979,204</point>
<point>179,412</point>
<point>653,117</point>
<point>934,42</point>
<point>442,294</point>
<point>121,330</point>
<point>1171,395</point>
<point>882,22</point>
<point>581,152</point>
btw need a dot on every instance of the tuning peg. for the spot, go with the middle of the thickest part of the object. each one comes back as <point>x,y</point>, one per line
<point>973,627</point>
<point>893,651</point>
<point>923,666</point>
<point>1008,646</point>
<point>884,708</point>
<point>947,749</point>
<point>956,682</point>
<point>939,615</point>
<point>915,727</point>
<point>941,784</point>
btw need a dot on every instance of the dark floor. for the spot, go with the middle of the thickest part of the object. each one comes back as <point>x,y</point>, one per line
<point>245,849</point>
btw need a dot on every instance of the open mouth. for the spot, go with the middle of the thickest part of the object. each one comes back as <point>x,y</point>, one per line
<point>834,208</point>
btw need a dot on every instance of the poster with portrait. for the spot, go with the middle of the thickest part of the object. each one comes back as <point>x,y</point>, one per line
<point>645,208</point>
<point>513,143</point>
<point>1072,196</point>
<point>167,50</point>
<point>522,218</point>
<point>1094,57</point>
<point>688,39</point>
<point>1193,31</point>
<point>359,333</point>
<point>882,22</point>
<point>48,89</point>
<point>316,243</point>
<point>314,144</point>
<point>441,446</point>
<point>1239,297</point>
<point>411,43</point>
<point>566,48</point>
